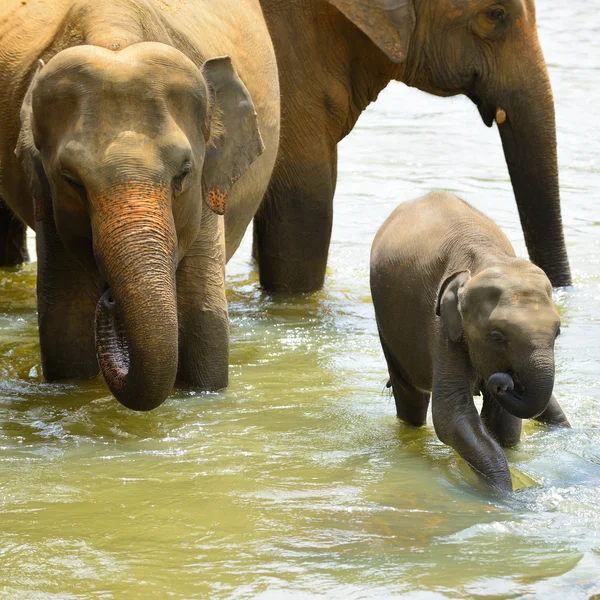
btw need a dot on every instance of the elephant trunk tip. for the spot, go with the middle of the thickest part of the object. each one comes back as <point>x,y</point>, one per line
<point>516,399</point>
<point>500,383</point>
<point>136,391</point>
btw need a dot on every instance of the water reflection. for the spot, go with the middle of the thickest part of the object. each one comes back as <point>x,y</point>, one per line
<point>298,481</point>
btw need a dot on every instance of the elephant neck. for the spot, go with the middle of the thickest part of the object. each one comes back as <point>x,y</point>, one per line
<point>331,62</point>
<point>358,67</point>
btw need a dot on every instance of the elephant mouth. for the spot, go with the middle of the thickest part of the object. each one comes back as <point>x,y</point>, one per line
<point>486,110</point>
<point>519,389</point>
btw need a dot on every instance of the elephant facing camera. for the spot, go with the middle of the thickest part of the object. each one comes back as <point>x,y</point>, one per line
<point>125,146</point>
<point>459,314</point>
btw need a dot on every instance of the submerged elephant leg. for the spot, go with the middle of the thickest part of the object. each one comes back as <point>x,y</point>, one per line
<point>13,238</point>
<point>411,403</point>
<point>292,228</point>
<point>67,296</point>
<point>203,317</point>
<point>554,415</point>
<point>457,422</point>
<point>502,426</point>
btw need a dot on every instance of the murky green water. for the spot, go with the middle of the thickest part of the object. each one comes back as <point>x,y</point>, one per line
<point>298,482</point>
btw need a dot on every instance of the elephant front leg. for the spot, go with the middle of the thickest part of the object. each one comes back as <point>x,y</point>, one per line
<point>13,238</point>
<point>502,426</point>
<point>203,319</point>
<point>67,296</point>
<point>457,422</point>
<point>292,228</point>
<point>554,415</point>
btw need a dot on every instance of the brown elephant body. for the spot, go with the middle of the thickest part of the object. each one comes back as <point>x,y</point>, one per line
<point>335,57</point>
<point>459,313</point>
<point>125,116</point>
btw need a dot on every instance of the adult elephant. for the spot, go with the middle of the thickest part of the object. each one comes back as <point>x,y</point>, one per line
<point>136,124</point>
<point>335,56</point>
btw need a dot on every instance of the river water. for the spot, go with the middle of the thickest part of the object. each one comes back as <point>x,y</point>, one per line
<point>298,482</point>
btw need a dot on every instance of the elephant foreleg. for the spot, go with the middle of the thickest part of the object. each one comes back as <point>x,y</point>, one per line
<point>502,426</point>
<point>203,316</point>
<point>554,415</point>
<point>457,422</point>
<point>13,238</point>
<point>67,296</point>
<point>292,228</point>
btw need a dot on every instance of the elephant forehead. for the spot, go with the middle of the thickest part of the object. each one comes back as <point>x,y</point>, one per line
<point>145,70</point>
<point>530,324</point>
<point>499,295</point>
<point>517,279</point>
<point>532,320</point>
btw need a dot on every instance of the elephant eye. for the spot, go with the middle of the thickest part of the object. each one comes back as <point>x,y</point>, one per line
<point>178,179</point>
<point>557,331</point>
<point>496,15</point>
<point>70,179</point>
<point>74,184</point>
<point>497,336</point>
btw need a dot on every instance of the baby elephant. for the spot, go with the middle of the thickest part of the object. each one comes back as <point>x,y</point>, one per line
<point>459,314</point>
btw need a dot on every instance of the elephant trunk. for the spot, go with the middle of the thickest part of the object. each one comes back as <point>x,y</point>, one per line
<point>529,396</point>
<point>136,318</point>
<point>526,122</point>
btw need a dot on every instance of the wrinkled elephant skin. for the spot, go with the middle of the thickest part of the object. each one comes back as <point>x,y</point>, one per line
<point>122,146</point>
<point>344,53</point>
<point>458,314</point>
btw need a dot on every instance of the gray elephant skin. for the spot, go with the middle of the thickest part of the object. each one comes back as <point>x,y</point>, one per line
<point>458,314</point>
<point>335,57</point>
<point>136,125</point>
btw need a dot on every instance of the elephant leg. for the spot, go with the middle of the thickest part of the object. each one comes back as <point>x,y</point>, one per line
<point>13,238</point>
<point>502,426</point>
<point>67,296</point>
<point>292,228</point>
<point>203,317</point>
<point>457,422</point>
<point>554,415</point>
<point>411,403</point>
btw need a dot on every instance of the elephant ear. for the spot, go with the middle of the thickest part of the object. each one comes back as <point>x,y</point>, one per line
<point>389,23</point>
<point>448,306</point>
<point>29,155</point>
<point>235,138</point>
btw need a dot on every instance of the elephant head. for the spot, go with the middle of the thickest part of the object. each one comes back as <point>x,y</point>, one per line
<point>506,316</point>
<point>489,51</point>
<point>121,149</point>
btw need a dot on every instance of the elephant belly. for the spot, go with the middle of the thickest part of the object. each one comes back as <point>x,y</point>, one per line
<point>413,358</point>
<point>404,319</point>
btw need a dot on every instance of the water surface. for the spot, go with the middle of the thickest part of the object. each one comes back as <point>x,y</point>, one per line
<point>298,482</point>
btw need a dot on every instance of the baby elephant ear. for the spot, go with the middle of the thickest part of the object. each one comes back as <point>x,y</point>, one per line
<point>389,23</point>
<point>448,304</point>
<point>235,138</point>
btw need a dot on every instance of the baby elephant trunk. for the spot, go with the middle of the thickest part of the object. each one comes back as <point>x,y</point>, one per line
<point>525,400</point>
